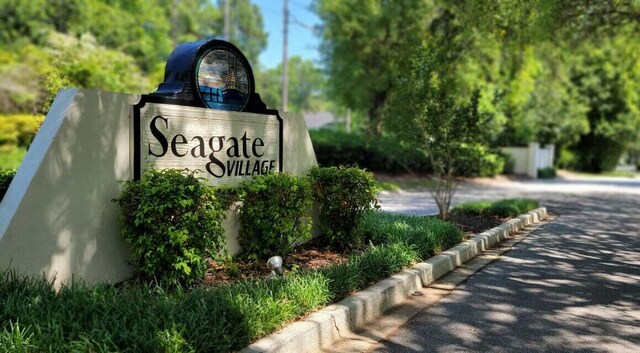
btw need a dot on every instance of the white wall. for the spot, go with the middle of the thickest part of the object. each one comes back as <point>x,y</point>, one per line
<point>531,158</point>
<point>57,217</point>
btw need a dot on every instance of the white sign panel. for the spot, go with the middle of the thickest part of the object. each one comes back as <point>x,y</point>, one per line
<point>224,147</point>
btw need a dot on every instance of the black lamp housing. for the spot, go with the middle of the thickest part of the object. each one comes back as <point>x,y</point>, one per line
<point>210,74</point>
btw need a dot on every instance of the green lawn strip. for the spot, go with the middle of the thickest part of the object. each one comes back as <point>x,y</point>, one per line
<point>501,208</point>
<point>146,318</point>
<point>407,184</point>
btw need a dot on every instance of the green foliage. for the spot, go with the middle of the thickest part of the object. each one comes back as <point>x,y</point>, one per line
<point>428,235</point>
<point>145,318</point>
<point>475,160</point>
<point>15,339</point>
<point>364,46</point>
<point>275,214</point>
<point>383,153</point>
<point>18,129</point>
<point>139,317</point>
<point>502,208</point>
<point>306,86</point>
<point>6,177</point>
<point>112,45</point>
<point>343,196</point>
<point>509,162</point>
<point>172,223</point>
<point>547,173</point>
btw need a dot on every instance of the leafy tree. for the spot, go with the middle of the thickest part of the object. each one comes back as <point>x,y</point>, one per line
<point>607,74</point>
<point>431,112</point>
<point>364,45</point>
<point>246,28</point>
<point>306,86</point>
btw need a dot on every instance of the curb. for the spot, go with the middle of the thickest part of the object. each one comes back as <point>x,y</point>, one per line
<point>328,325</point>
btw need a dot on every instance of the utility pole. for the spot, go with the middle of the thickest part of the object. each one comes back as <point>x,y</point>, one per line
<point>285,60</point>
<point>227,21</point>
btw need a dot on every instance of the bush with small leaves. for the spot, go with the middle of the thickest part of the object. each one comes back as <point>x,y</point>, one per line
<point>343,195</point>
<point>172,223</point>
<point>275,214</point>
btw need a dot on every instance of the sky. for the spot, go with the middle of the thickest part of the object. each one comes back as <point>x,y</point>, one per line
<point>302,41</point>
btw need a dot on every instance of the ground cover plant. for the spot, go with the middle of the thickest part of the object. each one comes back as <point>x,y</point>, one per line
<point>502,208</point>
<point>139,317</point>
<point>188,315</point>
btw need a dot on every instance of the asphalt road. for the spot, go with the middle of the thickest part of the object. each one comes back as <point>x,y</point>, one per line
<point>571,286</point>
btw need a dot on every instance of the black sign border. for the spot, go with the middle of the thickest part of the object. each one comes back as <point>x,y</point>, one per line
<point>137,138</point>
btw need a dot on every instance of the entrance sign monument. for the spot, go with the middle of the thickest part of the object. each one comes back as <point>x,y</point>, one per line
<point>57,217</point>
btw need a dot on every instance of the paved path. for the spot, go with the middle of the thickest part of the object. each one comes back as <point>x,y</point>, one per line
<point>571,286</point>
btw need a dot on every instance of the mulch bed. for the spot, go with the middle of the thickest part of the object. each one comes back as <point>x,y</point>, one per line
<point>313,256</point>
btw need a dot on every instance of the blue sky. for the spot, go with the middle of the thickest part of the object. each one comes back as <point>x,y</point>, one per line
<point>302,41</point>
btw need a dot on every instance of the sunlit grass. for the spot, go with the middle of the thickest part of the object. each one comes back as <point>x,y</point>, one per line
<point>404,183</point>
<point>501,208</point>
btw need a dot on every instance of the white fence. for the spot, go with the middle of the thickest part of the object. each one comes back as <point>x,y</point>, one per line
<point>531,158</point>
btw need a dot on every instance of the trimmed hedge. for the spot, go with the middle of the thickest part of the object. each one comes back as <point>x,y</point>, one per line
<point>387,154</point>
<point>343,195</point>
<point>376,153</point>
<point>172,223</point>
<point>275,214</point>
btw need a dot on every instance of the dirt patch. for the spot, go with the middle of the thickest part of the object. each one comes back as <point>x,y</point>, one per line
<point>474,223</point>
<point>308,256</point>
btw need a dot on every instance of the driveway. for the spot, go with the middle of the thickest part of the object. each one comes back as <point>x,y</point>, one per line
<point>571,286</point>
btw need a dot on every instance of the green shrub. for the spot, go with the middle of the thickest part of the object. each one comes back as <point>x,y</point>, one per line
<point>638,166</point>
<point>343,195</point>
<point>501,208</point>
<point>509,163</point>
<point>274,215</point>
<point>547,173</point>
<point>475,160</point>
<point>428,235</point>
<point>140,317</point>
<point>512,207</point>
<point>567,159</point>
<point>18,130</point>
<point>11,157</point>
<point>5,180</point>
<point>172,223</point>
<point>383,153</point>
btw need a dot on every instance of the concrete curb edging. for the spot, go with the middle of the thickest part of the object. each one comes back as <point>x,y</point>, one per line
<point>328,325</point>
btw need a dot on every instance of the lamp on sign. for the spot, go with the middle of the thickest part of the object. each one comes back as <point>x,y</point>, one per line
<point>211,74</point>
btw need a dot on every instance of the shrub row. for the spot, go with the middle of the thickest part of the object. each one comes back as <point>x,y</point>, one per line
<point>376,153</point>
<point>18,130</point>
<point>502,208</point>
<point>172,221</point>
<point>148,318</point>
<point>388,154</point>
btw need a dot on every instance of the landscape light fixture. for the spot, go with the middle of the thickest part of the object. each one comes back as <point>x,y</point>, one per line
<point>275,265</point>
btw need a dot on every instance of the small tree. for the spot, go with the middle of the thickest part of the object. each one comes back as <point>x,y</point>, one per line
<point>430,112</point>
